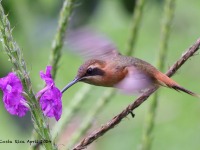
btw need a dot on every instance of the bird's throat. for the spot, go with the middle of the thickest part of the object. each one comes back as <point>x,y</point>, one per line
<point>110,78</point>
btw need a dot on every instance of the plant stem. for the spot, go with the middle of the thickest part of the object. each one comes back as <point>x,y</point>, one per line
<point>136,21</point>
<point>54,59</point>
<point>16,57</point>
<point>151,114</point>
<point>60,34</point>
<point>57,45</point>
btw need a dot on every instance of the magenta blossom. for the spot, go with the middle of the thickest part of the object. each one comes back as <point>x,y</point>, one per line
<point>13,99</point>
<point>50,96</point>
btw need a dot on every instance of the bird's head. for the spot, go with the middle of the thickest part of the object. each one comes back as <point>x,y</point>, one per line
<point>92,72</point>
<point>98,51</point>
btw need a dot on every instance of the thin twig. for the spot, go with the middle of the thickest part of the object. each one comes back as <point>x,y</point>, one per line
<point>117,119</point>
<point>151,114</point>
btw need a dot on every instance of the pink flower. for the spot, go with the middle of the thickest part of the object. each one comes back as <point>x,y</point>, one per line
<point>50,96</point>
<point>13,99</point>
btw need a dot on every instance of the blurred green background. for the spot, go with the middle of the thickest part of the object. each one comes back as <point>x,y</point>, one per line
<point>178,115</point>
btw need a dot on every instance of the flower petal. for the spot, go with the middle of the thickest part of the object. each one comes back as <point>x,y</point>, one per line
<point>19,110</point>
<point>51,103</point>
<point>47,76</point>
<point>10,82</point>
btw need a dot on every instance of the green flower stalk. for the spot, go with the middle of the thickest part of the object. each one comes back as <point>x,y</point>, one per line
<point>16,57</point>
<point>57,44</point>
<point>136,21</point>
<point>55,55</point>
<point>165,32</point>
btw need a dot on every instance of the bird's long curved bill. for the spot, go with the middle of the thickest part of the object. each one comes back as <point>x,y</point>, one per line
<point>69,85</point>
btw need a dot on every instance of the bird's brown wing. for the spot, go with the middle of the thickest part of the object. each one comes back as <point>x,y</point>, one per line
<point>135,82</point>
<point>90,44</point>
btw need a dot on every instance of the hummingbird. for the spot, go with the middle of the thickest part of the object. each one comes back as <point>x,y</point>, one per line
<point>105,66</point>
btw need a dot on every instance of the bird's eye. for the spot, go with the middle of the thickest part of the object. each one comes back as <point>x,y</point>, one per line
<point>89,71</point>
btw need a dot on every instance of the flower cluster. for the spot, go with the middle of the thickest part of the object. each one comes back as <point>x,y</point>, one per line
<point>50,96</point>
<point>16,104</point>
<point>13,99</point>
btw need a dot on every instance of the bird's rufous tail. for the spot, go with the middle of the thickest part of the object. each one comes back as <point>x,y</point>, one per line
<point>166,81</point>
